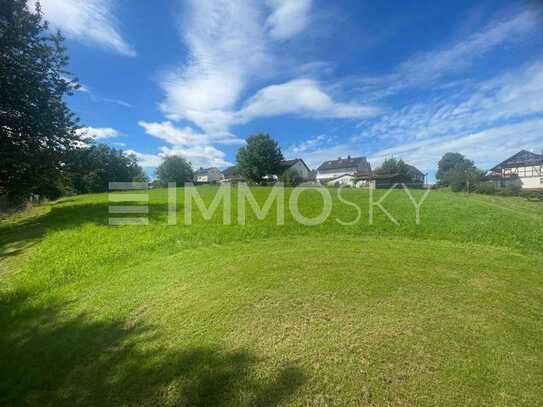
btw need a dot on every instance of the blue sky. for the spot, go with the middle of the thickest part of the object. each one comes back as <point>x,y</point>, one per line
<point>410,79</point>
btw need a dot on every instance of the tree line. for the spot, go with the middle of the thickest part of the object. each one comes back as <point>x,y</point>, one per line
<point>42,150</point>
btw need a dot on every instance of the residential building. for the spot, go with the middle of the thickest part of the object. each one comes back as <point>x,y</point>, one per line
<point>208,175</point>
<point>297,165</point>
<point>232,175</point>
<point>525,166</point>
<point>330,170</point>
<point>416,175</point>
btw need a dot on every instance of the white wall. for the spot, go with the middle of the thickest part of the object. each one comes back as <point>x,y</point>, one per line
<point>300,169</point>
<point>528,176</point>
<point>328,175</point>
<point>532,182</point>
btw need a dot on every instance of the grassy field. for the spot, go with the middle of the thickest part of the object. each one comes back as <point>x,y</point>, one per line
<point>448,312</point>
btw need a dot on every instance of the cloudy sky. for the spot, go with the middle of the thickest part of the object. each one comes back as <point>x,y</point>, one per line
<point>410,79</point>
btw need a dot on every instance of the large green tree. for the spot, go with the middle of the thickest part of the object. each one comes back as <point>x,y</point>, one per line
<point>36,126</point>
<point>394,166</point>
<point>174,169</point>
<point>91,169</point>
<point>260,157</point>
<point>448,162</point>
<point>458,172</point>
<point>397,167</point>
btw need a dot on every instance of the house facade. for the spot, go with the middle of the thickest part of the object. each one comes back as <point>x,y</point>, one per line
<point>231,175</point>
<point>416,175</point>
<point>297,165</point>
<point>525,166</point>
<point>330,170</point>
<point>208,176</point>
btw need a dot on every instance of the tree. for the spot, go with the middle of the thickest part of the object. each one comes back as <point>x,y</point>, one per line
<point>92,168</point>
<point>394,166</point>
<point>448,162</point>
<point>260,157</point>
<point>174,169</point>
<point>458,172</point>
<point>291,178</point>
<point>36,127</point>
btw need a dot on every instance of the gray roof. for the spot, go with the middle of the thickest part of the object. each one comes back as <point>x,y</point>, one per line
<point>204,171</point>
<point>289,163</point>
<point>415,170</point>
<point>361,164</point>
<point>231,172</point>
<point>522,158</point>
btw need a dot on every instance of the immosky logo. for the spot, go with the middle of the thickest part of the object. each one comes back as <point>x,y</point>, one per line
<point>224,197</point>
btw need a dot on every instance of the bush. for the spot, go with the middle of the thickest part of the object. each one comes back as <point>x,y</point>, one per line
<point>486,188</point>
<point>510,190</point>
<point>291,178</point>
<point>533,195</point>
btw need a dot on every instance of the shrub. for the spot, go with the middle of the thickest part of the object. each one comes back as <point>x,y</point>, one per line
<point>291,178</point>
<point>533,195</point>
<point>510,190</point>
<point>487,188</point>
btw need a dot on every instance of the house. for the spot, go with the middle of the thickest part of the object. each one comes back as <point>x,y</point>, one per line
<point>330,170</point>
<point>231,175</point>
<point>208,175</point>
<point>525,166</point>
<point>297,165</point>
<point>417,176</point>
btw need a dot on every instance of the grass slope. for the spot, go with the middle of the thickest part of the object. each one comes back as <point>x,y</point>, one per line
<point>447,312</point>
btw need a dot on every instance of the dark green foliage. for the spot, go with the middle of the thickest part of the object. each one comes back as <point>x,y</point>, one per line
<point>174,169</point>
<point>532,195</point>
<point>399,171</point>
<point>459,173</point>
<point>260,157</point>
<point>36,126</point>
<point>510,190</point>
<point>447,163</point>
<point>92,169</point>
<point>393,166</point>
<point>291,178</point>
<point>486,188</point>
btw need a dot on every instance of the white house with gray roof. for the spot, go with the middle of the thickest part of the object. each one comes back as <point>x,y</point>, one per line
<point>330,170</point>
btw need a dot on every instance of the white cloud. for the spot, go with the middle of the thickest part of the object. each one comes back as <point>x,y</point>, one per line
<point>308,145</point>
<point>510,96</point>
<point>288,17</point>
<point>183,136</point>
<point>146,160</point>
<point>98,133</point>
<point>429,67</point>
<point>174,135</point>
<point>86,20</point>
<point>116,102</point>
<point>195,147</point>
<point>487,121</point>
<point>303,97</point>
<point>199,156</point>
<point>231,46</point>
<point>227,48</point>
<point>486,147</point>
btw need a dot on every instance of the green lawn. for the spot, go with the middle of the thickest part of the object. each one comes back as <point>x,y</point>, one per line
<point>448,312</point>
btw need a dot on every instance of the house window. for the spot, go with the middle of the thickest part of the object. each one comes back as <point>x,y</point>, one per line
<point>541,180</point>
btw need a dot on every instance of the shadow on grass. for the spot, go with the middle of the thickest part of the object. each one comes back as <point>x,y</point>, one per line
<point>51,359</point>
<point>15,237</point>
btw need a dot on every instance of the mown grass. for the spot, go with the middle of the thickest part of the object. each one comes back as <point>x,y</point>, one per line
<point>447,312</point>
